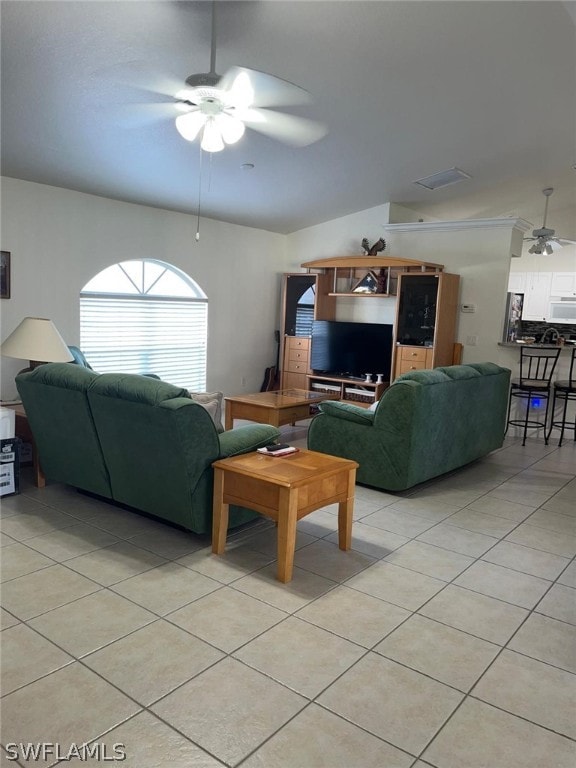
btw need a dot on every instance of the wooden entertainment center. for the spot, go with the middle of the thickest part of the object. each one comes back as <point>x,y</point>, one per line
<point>426,303</point>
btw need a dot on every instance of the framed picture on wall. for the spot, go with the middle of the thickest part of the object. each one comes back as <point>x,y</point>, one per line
<point>4,274</point>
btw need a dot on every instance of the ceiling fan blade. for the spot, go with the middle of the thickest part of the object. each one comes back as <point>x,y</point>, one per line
<point>142,115</point>
<point>564,241</point>
<point>297,131</point>
<point>142,77</point>
<point>269,91</point>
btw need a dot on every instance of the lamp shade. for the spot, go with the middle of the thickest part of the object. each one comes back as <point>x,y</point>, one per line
<point>36,339</point>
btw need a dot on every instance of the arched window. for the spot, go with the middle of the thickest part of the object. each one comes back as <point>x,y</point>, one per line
<point>145,316</point>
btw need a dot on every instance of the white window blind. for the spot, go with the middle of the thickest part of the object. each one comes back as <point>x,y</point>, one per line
<point>304,319</point>
<point>143,330</point>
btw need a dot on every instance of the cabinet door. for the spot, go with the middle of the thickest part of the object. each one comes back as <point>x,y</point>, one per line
<point>298,300</point>
<point>416,309</point>
<point>537,296</point>
<point>563,284</point>
<point>517,282</point>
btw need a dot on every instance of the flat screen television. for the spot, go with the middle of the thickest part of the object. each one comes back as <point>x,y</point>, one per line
<point>351,349</point>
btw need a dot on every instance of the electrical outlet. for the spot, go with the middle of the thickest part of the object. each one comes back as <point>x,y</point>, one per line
<point>471,341</point>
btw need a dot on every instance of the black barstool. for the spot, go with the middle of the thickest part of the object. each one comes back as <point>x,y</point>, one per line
<point>565,391</point>
<point>536,369</point>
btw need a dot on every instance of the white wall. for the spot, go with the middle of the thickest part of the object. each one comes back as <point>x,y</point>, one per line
<point>59,239</point>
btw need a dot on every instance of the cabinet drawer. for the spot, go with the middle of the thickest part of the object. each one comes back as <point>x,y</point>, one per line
<point>298,355</point>
<point>297,342</point>
<point>415,354</point>
<point>297,366</point>
<point>410,365</point>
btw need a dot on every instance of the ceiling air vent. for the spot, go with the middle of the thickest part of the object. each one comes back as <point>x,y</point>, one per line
<point>443,178</point>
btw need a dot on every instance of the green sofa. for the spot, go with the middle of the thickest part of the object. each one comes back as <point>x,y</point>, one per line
<point>132,439</point>
<point>427,422</point>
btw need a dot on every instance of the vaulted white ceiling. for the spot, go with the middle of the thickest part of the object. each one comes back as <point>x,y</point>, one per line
<point>405,88</point>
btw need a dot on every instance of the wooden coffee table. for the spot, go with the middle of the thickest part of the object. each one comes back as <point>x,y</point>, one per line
<point>284,488</point>
<point>276,408</point>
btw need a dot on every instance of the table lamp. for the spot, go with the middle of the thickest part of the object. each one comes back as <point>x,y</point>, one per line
<point>36,339</point>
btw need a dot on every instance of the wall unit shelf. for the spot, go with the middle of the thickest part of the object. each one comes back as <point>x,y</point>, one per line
<point>371,262</point>
<point>346,272</point>
<point>351,390</point>
<point>353,295</point>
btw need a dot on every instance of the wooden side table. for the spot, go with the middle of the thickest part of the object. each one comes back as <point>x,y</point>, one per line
<point>25,433</point>
<point>284,488</point>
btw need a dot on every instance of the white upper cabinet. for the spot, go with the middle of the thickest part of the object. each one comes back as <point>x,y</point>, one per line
<point>563,284</point>
<point>537,296</point>
<point>517,282</point>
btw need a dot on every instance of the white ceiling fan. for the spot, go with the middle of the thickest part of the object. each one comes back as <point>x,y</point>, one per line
<point>543,238</point>
<point>219,108</point>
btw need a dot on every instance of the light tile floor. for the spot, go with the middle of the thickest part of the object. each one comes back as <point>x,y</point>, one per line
<point>446,637</point>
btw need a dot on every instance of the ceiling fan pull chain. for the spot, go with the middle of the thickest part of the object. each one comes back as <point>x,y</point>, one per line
<point>199,193</point>
<point>210,171</point>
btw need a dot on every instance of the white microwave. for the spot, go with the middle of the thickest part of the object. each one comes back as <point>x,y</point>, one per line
<point>563,311</point>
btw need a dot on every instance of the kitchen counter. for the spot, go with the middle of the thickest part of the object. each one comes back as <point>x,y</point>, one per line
<point>566,346</point>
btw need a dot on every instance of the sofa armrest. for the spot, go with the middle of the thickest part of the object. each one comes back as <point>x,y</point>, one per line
<point>246,438</point>
<point>348,412</point>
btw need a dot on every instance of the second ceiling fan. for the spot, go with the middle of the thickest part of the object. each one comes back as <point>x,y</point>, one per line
<point>543,239</point>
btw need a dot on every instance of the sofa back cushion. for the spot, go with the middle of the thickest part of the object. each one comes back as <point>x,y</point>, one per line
<point>157,442</point>
<point>56,404</point>
<point>445,417</point>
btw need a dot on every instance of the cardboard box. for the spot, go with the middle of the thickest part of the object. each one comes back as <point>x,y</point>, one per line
<point>10,466</point>
<point>7,423</point>
<point>26,456</point>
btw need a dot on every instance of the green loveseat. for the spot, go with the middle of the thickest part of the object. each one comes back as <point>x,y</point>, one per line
<point>427,422</point>
<point>132,439</point>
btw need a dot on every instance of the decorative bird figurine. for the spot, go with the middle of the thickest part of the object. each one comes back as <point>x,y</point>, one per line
<point>365,245</point>
<point>378,246</point>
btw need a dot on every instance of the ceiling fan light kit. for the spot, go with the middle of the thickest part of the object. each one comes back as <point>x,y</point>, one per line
<point>214,110</point>
<point>217,129</point>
